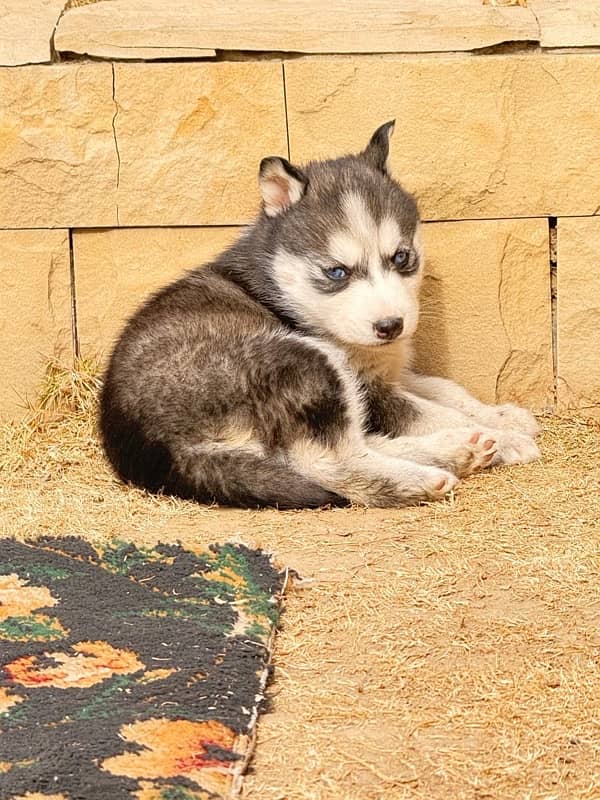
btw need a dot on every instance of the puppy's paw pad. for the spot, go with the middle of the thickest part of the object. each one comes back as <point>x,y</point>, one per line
<point>474,453</point>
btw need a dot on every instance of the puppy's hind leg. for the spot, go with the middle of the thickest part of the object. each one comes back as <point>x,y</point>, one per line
<point>368,477</point>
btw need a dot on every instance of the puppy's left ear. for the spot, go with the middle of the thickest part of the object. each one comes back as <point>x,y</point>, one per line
<point>378,149</point>
<point>281,185</point>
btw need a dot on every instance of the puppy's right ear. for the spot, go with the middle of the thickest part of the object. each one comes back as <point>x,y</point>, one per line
<point>281,185</point>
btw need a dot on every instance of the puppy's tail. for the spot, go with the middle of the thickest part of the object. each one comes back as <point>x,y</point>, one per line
<point>248,480</point>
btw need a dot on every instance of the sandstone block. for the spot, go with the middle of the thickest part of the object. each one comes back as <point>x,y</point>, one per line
<point>191,139</point>
<point>116,269</point>
<point>146,29</point>
<point>486,315</point>
<point>26,30</point>
<point>476,137</point>
<point>58,160</point>
<point>578,328</point>
<point>35,312</point>
<point>355,26</point>
<point>567,23</point>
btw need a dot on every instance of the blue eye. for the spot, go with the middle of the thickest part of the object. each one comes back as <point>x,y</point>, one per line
<point>401,258</point>
<point>337,273</point>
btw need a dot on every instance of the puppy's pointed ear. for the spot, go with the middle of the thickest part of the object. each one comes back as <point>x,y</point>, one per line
<point>378,149</point>
<point>281,185</point>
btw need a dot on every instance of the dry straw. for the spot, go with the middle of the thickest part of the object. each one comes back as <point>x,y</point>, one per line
<point>447,651</point>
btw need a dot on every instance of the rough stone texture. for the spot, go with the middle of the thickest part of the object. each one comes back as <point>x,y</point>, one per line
<point>486,319</point>
<point>147,30</point>
<point>578,329</point>
<point>476,137</point>
<point>26,30</point>
<point>567,23</point>
<point>309,27</point>
<point>116,269</point>
<point>35,312</point>
<point>191,138</point>
<point>58,160</point>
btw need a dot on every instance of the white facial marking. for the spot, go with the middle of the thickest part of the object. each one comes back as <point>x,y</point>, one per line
<point>389,237</point>
<point>359,220</point>
<point>346,249</point>
<point>418,242</point>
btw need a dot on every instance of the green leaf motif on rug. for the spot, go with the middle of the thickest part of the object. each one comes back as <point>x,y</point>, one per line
<point>35,628</point>
<point>123,557</point>
<point>35,572</point>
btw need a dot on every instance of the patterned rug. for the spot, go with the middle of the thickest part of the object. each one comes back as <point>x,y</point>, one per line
<point>129,672</point>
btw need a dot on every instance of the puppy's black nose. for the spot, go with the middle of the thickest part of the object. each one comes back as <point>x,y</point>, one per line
<point>389,328</point>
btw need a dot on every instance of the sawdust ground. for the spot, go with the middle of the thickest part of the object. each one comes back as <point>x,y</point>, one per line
<point>447,651</point>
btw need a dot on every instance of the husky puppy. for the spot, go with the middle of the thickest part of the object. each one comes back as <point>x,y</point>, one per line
<point>280,373</point>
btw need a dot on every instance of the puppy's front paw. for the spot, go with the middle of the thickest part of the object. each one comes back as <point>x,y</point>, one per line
<point>464,450</point>
<point>509,417</point>
<point>514,448</point>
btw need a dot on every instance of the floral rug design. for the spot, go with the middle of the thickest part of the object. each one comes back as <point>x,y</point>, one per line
<point>128,672</point>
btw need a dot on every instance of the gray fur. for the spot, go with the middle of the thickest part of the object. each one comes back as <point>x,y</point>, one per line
<point>225,387</point>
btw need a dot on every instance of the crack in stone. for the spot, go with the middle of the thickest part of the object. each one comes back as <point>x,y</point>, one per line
<point>114,129</point>
<point>50,287</point>
<point>553,267</point>
<point>285,108</point>
<point>333,93</point>
<point>547,71</point>
<point>54,54</point>
<point>537,19</point>
<point>73,287</point>
<point>502,320</point>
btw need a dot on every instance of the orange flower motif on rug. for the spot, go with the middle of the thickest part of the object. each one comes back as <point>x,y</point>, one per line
<point>91,663</point>
<point>200,751</point>
<point>38,796</point>
<point>131,672</point>
<point>18,599</point>
<point>8,700</point>
<point>18,602</point>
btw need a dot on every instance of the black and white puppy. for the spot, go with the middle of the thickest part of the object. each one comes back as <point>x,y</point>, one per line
<point>280,373</point>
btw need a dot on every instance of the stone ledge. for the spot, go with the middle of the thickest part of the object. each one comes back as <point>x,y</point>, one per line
<point>567,23</point>
<point>26,30</point>
<point>309,26</point>
<point>131,30</point>
<point>152,29</point>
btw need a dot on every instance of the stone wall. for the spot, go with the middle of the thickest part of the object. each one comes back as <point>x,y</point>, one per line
<point>117,175</point>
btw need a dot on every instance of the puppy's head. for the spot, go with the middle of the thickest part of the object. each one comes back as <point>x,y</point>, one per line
<point>346,245</point>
